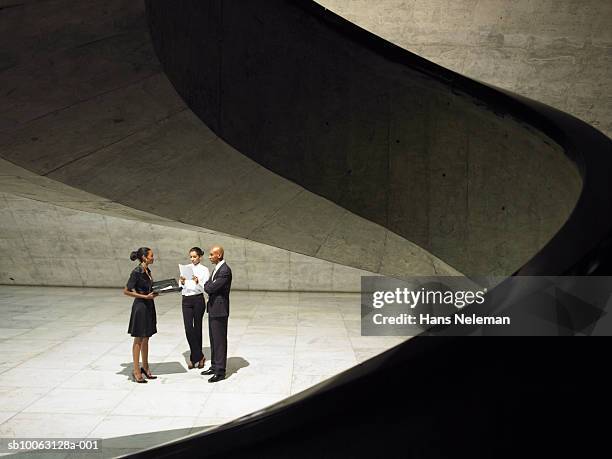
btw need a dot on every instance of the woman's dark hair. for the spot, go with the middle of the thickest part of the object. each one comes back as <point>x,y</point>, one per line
<point>139,254</point>
<point>196,250</point>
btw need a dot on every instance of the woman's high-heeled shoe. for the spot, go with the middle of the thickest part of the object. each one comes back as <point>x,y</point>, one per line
<point>190,365</point>
<point>148,374</point>
<point>141,380</point>
<point>201,363</point>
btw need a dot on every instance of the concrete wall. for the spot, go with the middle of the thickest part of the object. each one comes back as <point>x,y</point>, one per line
<point>556,51</point>
<point>46,244</point>
<point>89,106</point>
<point>52,234</point>
<point>438,164</point>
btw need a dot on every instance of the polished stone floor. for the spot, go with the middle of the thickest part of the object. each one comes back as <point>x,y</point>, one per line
<point>65,358</point>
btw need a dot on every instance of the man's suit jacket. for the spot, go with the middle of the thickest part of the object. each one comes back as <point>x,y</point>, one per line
<point>218,292</point>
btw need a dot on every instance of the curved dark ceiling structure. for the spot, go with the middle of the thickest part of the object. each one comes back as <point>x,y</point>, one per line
<point>87,105</point>
<point>295,87</point>
<point>477,177</point>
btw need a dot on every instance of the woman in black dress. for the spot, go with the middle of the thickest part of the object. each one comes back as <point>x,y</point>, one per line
<point>143,320</point>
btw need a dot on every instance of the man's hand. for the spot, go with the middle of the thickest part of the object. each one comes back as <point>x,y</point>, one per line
<point>182,280</point>
<point>195,279</point>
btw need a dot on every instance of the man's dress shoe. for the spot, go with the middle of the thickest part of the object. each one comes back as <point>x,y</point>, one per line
<point>210,371</point>
<point>216,378</point>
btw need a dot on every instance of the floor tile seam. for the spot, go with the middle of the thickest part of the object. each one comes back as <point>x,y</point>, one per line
<point>27,330</point>
<point>58,386</point>
<point>279,396</point>
<point>207,398</point>
<point>112,409</point>
<point>9,368</point>
<point>153,416</point>
<point>62,413</point>
<point>114,437</point>
<point>42,351</point>
<point>72,356</point>
<point>44,394</point>
<point>7,420</point>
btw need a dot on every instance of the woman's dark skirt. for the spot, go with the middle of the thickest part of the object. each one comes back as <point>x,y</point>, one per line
<point>143,320</point>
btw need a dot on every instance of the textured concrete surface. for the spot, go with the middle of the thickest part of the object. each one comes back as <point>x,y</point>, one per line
<point>46,244</point>
<point>279,344</point>
<point>444,165</point>
<point>49,232</point>
<point>557,51</point>
<point>87,105</point>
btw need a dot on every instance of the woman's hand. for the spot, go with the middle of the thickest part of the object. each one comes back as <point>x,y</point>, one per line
<point>151,295</point>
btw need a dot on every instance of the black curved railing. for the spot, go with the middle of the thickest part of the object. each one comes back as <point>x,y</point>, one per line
<point>290,84</point>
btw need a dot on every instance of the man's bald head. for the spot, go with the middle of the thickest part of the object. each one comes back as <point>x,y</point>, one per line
<point>216,254</point>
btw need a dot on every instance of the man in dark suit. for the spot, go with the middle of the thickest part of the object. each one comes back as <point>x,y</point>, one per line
<point>218,289</point>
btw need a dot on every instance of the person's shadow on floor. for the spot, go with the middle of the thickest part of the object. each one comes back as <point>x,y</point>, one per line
<point>159,368</point>
<point>234,364</point>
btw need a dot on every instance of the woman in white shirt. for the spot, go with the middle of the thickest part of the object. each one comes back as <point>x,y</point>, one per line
<point>193,307</point>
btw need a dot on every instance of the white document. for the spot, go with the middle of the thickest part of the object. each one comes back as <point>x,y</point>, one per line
<point>186,271</point>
